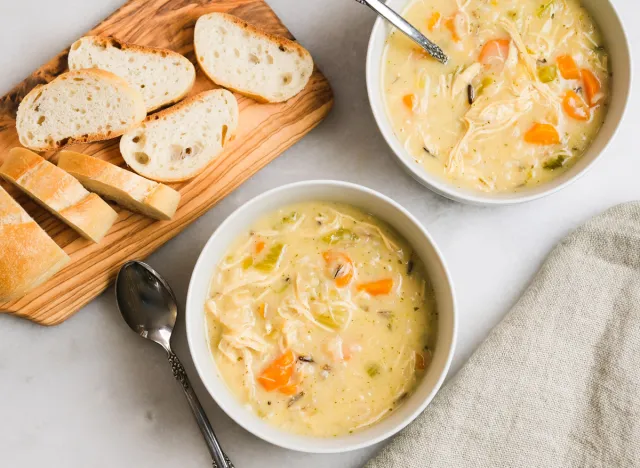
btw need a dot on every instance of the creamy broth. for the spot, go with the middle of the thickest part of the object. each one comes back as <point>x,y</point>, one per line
<point>321,319</point>
<point>521,99</point>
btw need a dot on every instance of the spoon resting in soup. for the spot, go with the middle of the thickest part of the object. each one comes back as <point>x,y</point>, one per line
<point>524,94</point>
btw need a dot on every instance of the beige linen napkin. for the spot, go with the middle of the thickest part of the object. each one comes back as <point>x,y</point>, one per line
<point>557,383</point>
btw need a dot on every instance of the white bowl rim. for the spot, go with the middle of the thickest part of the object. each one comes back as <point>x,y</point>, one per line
<point>273,439</point>
<point>448,190</point>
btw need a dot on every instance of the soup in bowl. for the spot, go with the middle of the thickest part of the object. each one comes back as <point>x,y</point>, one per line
<point>521,107</point>
<point>321,317</point>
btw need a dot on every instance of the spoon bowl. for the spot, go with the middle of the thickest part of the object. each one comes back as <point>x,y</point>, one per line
<point>147,302</point>
<point>148,305</point>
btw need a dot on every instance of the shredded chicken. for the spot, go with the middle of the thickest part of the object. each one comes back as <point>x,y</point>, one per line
<point>465,78</point>
<point>529,62</point>
<point>249,379</point>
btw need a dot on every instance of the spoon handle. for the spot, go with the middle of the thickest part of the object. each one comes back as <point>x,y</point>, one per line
<point>403,25</point>
<point>220,460</point>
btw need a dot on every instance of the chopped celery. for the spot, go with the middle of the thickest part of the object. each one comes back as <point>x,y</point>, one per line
<point>270,261</point>
<point>542,9</point>
<point>327,320</point>
<point>336,318</point>
<point>247,262</point>
<point>528,177</point>
<point>548,73</point>
<point>292,218</point>
<point>486,81</point>
<point>373,370</point>
<point>555,163</point>
<point>340,235</point>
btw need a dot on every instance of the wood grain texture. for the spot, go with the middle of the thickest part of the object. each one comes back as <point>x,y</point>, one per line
<point>265,131</point>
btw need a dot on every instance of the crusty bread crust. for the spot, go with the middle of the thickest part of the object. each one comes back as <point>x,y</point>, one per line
<point>119,44</point>
<point>126,188</point>
<point>28,256</point>
<point>107,41</point>
<point>59,193</point>
<point>282,42</point>
<point>175,108</point>
<point>163,198</point>
<point>92,217</point>
<point>86,138</point>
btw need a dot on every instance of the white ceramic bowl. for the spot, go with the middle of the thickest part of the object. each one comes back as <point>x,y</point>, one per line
<point>604,12</point>
<point>374,203</point>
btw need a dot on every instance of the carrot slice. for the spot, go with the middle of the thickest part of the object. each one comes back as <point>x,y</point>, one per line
<point>259,246</point>
<point>496,48</point>
<point>346,352</point>
<point>575,107</point>
<point>340,267</point>
<point>262,310</point>
<point>592,87</point>
<point>568,68</point>
<point>450,24</point>
<point>278,373</point>
<point>377,288</point>
<point>542,134</point>
<point>289,389</point>
<point>409,100</point>
<point>433,21</point>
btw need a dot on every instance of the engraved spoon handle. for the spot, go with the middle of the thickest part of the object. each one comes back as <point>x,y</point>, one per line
<point>403,25</point>
<point>220,460</point>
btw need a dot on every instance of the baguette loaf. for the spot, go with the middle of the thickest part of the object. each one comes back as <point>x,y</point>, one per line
<point>246,59</point>
<point>126,188</point>
<point>162,76</point>
<point>78,106</point>
<point>178,143</point>
<point>28,256</point>
<point>58,192</point>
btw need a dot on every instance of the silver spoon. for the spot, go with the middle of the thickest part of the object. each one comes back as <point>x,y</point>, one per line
<point>149,307</point>
<point>404,26</point>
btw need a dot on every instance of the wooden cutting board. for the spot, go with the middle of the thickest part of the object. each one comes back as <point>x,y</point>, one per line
<point>264,132</point>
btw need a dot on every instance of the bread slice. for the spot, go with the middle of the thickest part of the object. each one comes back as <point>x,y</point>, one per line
<point>58,192</point>
<point>178,143</point>
<point>126,188</point>
<point>78,106</point>
<point>162,76</point>
<point>28,256</point>
<point>246,59</point>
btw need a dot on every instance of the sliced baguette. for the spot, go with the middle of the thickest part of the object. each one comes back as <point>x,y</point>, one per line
<point>178,143</point>
<point>28,256</point>
<point>246,59</point>
<point>78,106</point>
<point>58,192</point>
<point>126,188</point>
<point>162,76</point>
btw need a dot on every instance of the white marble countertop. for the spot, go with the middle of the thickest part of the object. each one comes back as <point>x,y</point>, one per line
<point>91,393</point>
